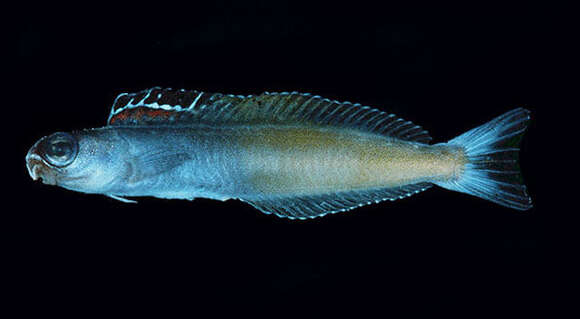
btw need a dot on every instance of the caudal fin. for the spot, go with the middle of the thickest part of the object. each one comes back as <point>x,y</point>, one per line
<point>492,171</point>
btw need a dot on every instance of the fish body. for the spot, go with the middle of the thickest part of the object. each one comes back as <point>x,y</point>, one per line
<point>291,154</point>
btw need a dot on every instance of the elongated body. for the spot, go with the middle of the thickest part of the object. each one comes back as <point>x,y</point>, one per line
<point>251,162</point>
<point>294,155</point>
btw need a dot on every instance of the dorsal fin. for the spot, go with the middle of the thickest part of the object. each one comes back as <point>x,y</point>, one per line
<point>158,106</point>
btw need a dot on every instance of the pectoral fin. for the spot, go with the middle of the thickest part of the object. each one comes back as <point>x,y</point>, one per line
<point>153,164</point>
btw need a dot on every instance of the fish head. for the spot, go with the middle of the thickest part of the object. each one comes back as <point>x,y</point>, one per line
<point>80,161</point>
<point>47,159</point>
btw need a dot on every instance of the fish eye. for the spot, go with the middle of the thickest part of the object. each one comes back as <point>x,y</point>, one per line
<point>60,149</point>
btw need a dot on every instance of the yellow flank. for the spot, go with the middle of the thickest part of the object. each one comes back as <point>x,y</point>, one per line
<point>302,161</point>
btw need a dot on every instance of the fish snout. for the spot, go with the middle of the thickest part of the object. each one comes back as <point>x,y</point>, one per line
<point>37,168</point>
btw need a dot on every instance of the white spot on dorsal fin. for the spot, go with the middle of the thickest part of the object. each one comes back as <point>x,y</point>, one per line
<point>195,101</point>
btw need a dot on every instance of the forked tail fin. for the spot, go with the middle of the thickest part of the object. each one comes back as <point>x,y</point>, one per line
<point>492,171</point>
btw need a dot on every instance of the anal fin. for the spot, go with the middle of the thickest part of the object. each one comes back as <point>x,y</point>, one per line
<point>312,206</point>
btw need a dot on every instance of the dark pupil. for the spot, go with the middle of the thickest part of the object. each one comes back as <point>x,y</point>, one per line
<point>60,149</point>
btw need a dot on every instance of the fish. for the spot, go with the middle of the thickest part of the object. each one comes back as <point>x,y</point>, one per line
<point>294,155</point>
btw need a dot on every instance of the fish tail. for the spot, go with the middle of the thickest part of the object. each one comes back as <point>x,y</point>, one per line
<point>492,170</point>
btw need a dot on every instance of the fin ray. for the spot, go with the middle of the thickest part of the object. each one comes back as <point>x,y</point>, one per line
<point>122,199</point>
<point>492,171</point>
<point>153,164</point>
<point>158,106</point>
<point>312,206</point>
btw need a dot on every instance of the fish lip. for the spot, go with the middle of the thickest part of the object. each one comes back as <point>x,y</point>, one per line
<point>33,160</point>
<point>37,168</point>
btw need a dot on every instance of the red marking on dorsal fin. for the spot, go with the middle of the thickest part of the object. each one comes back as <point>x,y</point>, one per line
<point>155,106</point>
<point>144,116</point>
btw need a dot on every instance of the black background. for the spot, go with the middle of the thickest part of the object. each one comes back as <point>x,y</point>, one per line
<point>446,68</point>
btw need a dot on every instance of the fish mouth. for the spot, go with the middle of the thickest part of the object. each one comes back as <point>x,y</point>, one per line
<point>38,170</point>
